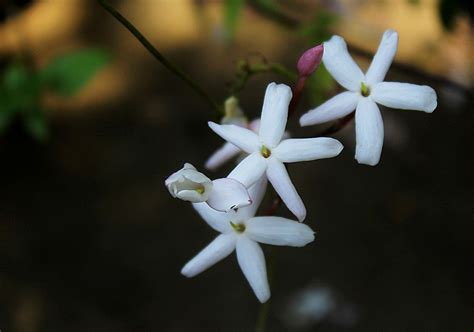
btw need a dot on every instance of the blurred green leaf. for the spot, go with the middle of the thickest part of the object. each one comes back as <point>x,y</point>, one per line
<point>19,89</point>
<point>319,28</point>
<point>319,85</point>
<point>36,124</point>
<point>67,74</point>
<point>232,13</point>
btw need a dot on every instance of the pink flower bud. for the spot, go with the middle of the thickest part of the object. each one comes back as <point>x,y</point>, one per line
<point>310,60</point>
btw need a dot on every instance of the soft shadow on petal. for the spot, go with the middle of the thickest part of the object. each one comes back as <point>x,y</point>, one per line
<point>220,248</point>
<point>252,262</point>
<point>383,57</point>
<point>221,156</point>
<point>257,192</point>
<point>340,64</point>
<point>243,138</point>
<point>405,96</point>
<point>249,170</point>
<point>216,219</point>
<point>369,133</point>
<point>305,149</point>
<point>228,194</point>
<point>278,177</point>
<point>279,231</point>
<point>274,114</point>
<point>337,107</point>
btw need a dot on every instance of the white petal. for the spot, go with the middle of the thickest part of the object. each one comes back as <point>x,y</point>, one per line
<point>369,132</point>
<point>220,248</point>
<point>279,231</point>
<point>257,192</point>
<point>216,219</point>
<point>278,177</point>
<point>383,58</point>
<point>337,107</point>
<point>243,138</point>
<point>274,114</point>
<point>305,149</point>
<point>228,194</point>
<point>221,156</point>
<point>249,170</point>
<point>188,184</point>
<point>340,64</point>
<point>405,96</point>
<point>252,262</point>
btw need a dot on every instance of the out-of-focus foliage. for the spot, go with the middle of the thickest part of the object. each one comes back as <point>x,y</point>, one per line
<point>21,87</point>
<point>319,28</point>
<point>232,12</point>
<point>450,9</point>
<point>67,74</point>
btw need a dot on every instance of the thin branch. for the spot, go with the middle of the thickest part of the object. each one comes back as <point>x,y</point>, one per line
<point>160,57</point>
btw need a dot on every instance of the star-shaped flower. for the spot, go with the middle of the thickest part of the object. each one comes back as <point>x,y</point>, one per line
<point>268,153</point>
<point>241,231</point>
<point>365,91</point>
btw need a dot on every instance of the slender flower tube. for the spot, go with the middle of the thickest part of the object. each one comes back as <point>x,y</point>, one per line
<point>242,231</point>
<point>268,152</point>
<point>365,92</point>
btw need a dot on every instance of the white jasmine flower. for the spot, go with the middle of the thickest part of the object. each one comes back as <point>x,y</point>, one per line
<point>365,91</point>
<point>267,152</point>
<point>241,231</point>
<point>191,185</point>
<point>229,151</point>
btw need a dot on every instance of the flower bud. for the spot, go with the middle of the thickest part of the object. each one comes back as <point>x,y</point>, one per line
<point>310,60</point>
<point>189,185</point>
<point>233,113</point>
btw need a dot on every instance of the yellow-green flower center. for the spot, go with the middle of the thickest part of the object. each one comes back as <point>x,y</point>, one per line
<point>200,190</point>
<point>364,89</point>
<point>265,151</point>
<point>238,227</point>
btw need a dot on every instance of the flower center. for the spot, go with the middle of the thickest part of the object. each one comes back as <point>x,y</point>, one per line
<point>265,151</point>
<point>238,227</point>
<point>200,190</point>
<point>364,89</point>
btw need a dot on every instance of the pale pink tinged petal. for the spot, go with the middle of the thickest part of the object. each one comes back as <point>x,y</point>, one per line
<point>305,149</point>
<point>383,57</point>
<point>254,125</point>
<point>221,156</point>
<point>405,96</point>
<point>369,133</point>
<point>279,231</point>
<point>228,194</point>
<point>216,219</point>
<point>337,107</point>
<point>252,262</point>
<point>249,170</point>
<point>243,138</point>
<point>274,114</point>
<point>220,248</point>
<point>340,64</point>
<point>257,192</point>
<point>278,177</point>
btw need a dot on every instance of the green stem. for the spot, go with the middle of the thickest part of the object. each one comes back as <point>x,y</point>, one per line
<point>158,56</point>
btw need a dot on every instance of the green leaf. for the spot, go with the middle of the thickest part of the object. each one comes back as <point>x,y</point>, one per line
<point>67,74</point>
<point>232,13</point>
<point>36,125</point>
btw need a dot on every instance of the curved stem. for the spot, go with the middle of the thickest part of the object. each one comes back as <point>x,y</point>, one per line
<point>160,57</point>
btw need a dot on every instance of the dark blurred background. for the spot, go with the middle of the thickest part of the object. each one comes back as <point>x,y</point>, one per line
<point>90,239</point>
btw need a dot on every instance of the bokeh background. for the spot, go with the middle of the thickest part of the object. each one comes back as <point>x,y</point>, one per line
<point>90,239</point>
